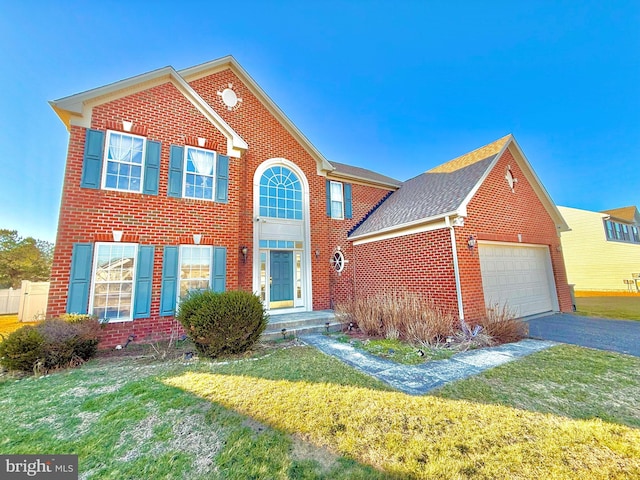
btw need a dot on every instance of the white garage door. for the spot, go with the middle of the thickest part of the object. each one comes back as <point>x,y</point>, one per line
<point>518,276</point>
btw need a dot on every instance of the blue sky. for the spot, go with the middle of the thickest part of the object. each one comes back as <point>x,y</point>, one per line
<point>396,86</point>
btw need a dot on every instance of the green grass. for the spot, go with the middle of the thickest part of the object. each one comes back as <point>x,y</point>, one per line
<point>626,308</point>
<point>398,351</point>
<point>565,380</point>
<point>125,418</point>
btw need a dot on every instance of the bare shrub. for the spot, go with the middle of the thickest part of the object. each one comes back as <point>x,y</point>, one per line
<point>501,325</point>
<point>399,315</point>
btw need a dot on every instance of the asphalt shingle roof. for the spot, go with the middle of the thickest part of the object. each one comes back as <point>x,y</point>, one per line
<point>427,195</point>
<point>627,214</point>
<point>364,174</point>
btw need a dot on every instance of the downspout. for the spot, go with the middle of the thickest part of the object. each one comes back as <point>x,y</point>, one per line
<point>456,267</point>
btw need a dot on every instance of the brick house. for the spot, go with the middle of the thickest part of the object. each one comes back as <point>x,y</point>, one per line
<point>195,178</point>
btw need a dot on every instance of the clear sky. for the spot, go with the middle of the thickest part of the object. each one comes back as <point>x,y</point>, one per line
<point>394,86</point>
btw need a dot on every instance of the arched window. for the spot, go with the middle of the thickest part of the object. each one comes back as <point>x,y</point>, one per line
<point>280,194</point>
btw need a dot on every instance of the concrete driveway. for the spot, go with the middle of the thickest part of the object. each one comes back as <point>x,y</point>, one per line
<point>621,336</point>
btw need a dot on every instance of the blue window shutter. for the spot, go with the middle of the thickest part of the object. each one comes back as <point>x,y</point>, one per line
<point>80,278</point>
<point>169,281</point>
<point>328,198</point>
<point>348,208</point>
<point>222,179</point>
<point>92,162</point>
<point>144,277</point>
<point>219,270</point>
<point>151,168</point>
<point>176,164</point>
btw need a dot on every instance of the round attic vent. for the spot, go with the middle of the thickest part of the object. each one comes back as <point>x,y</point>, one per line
<point>229,98</point>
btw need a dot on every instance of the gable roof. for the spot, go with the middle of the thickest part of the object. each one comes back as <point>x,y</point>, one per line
<point>76,109</point>
<point>446,190</point>
<point>193,73</point>
<point>626,214</point>
<point>350,172</point>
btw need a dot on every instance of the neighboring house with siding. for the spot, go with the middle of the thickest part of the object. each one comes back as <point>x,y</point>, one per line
<point>602,250</point>
<point>195,178</point>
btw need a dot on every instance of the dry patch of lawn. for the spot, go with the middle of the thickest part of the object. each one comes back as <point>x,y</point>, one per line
<point>427,437</point>
<point>10,323</point>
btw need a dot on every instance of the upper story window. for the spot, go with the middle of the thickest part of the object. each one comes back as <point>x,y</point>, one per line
<point>337,200</point>
<point>113,283</point>
<point>199,173</point>
<point>123,162</point>
<point>621,232</point>
<point>280,194</point>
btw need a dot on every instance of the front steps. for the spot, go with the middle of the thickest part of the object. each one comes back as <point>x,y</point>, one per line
<point>296,324</point>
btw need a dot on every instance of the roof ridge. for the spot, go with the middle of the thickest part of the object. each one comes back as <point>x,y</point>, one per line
<point>472,157</point>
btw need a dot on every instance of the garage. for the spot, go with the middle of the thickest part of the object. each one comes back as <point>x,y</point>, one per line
<point>519,276</point>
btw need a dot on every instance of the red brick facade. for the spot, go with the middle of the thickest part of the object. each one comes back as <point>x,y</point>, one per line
<point>421,263</point>
<point>163,114</point>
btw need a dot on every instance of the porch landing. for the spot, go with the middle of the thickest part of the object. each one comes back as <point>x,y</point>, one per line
<point>299,323</point>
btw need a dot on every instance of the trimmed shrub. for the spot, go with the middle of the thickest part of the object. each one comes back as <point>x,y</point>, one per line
<point>222,323</point>
<point>67,342</point>
<point>21,349</point>
<point>50,344</point>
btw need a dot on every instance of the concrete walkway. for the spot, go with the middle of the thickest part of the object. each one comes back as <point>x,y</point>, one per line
<point>419,379</point>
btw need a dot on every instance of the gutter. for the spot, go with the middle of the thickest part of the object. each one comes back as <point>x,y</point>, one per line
<point>456,267</point>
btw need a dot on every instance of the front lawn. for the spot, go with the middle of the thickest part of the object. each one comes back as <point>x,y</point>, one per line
<point>396,350</point>
<point>10,323</point>
<point>627,308</point>
<point>296,413</point>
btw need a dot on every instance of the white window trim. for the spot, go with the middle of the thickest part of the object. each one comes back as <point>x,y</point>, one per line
<point>180,250</point>
<point>105,161</point>
<point>213,173</point>
<point>133,281</point>
<point>331,200</point>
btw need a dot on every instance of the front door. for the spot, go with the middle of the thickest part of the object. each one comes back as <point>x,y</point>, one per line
<point>281,281</point>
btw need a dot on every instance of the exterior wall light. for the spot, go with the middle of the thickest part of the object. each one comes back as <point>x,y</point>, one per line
<point>472,242</point>
<point>244,251</point>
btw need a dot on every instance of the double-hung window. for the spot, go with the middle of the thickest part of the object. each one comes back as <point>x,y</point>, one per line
<point>199,173</point>
<point>195,269</point>
<point>123,162</point>
<point>337,200</point>
<point>113,274</point>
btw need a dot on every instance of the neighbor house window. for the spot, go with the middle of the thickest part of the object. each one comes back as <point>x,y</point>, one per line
<point>195,269</point>
<point>123,162</point>
<point>621,232</point>
<point>337,200</point>
<point>199,173</point>
<point>113,281</point>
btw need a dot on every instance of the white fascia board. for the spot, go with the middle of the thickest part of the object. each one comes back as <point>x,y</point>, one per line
<point>400,233</point>
<point>77,109</point>
<point>465,203</point>
<point>417,226</point>
<point>361,180</point>
<point>235,143</point>
<point>199,71</point>
<point>539,188</point>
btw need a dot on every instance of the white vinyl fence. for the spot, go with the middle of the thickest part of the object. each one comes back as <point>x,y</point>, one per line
<point>33,301</point>
<point>10,300</point>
